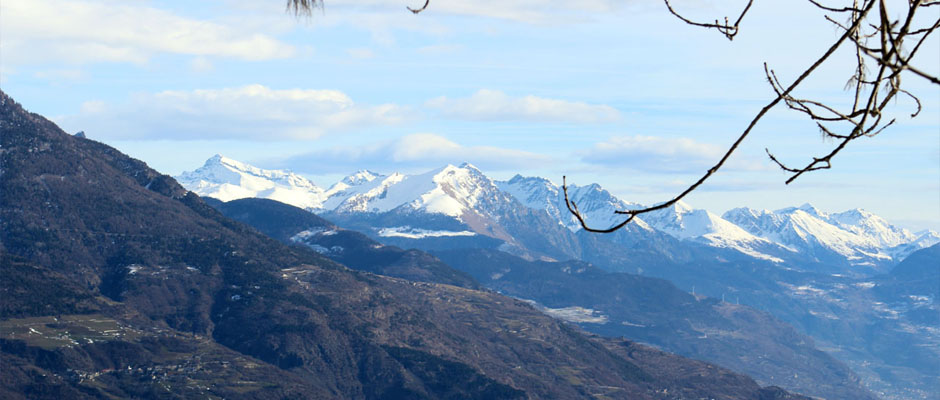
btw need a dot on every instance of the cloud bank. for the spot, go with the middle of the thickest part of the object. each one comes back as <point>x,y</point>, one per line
<point>252,112</point>
<point>494,105</point>
<point>659,155</point>
<point>412,152</point>
<point>119,31</point>
<point>653,154</point>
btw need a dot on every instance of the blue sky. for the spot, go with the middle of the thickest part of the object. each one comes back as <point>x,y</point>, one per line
<point>609,91</point>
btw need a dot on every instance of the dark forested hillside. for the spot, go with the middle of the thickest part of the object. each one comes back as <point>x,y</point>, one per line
<point>139,289</point>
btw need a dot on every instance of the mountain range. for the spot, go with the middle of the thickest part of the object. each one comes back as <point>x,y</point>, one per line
<point>120,283</point>
<point>468,203</point>
<point>794,263</point>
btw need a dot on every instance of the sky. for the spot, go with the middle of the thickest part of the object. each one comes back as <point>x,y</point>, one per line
<point>616,92</point>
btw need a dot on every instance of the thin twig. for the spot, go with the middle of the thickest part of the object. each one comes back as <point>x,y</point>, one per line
<point>727,29</point>
<point>417,10</point>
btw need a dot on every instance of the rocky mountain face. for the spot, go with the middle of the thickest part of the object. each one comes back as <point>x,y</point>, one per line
<point>771,260</point>
<point>171,299</point>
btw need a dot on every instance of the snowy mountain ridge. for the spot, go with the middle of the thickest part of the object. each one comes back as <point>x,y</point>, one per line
<point>861,237</point>
<point>227,179</point>
<point>471,199</point>
<point>596,205</point>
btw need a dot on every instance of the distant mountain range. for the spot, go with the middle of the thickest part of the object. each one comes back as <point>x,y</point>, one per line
<point>462,202</point>
<point>797,263</point>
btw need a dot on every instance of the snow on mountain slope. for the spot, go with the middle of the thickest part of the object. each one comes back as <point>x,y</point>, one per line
<point>858,236</point>
<point>925,239</point>
<point>354,193</point>
<point>226,179</point>
<point>596,205</point>
<point>452,191</point>
<point>534,192</point>
<point>685,223</point>
<point>871,226</point>
<point>803,228</point>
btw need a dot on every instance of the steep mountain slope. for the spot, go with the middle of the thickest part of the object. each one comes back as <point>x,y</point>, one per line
<point>854,242</point>
<point>596,204</point>
<point>226,179</point>
<point>193,291</point>
<point>684,223</point>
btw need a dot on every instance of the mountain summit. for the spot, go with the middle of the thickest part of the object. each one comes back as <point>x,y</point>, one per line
<point>227,179</point>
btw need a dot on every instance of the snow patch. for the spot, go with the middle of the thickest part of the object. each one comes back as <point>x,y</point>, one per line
<point>302,236</point>
<point>319,249</point>
<point>417,233</point>
<point>577,314</point>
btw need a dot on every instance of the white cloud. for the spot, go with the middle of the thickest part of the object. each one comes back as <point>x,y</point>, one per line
<point>252,112</point>
<point>653,154</point>
<point>494,105</point>
<point>107,30</point>
<point>416,151</point>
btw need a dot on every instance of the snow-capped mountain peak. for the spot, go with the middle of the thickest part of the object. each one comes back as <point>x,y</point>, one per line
<point>683,222</point>
<point>470,167</point>
<point>866,224</point>
<point>533,192</point>
<point>595,204</point>
<point>449,190</point>
<point>227,179</point>
<point>681,207</point>
<point>361,177</point>
<point>811,210</point>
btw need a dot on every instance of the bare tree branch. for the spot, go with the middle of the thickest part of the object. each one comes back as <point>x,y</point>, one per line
<point>417,10</point>
<point>871,97</point>
<point>726,28</point>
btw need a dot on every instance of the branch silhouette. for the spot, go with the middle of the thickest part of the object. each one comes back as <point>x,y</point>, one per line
<point>872,96</point>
